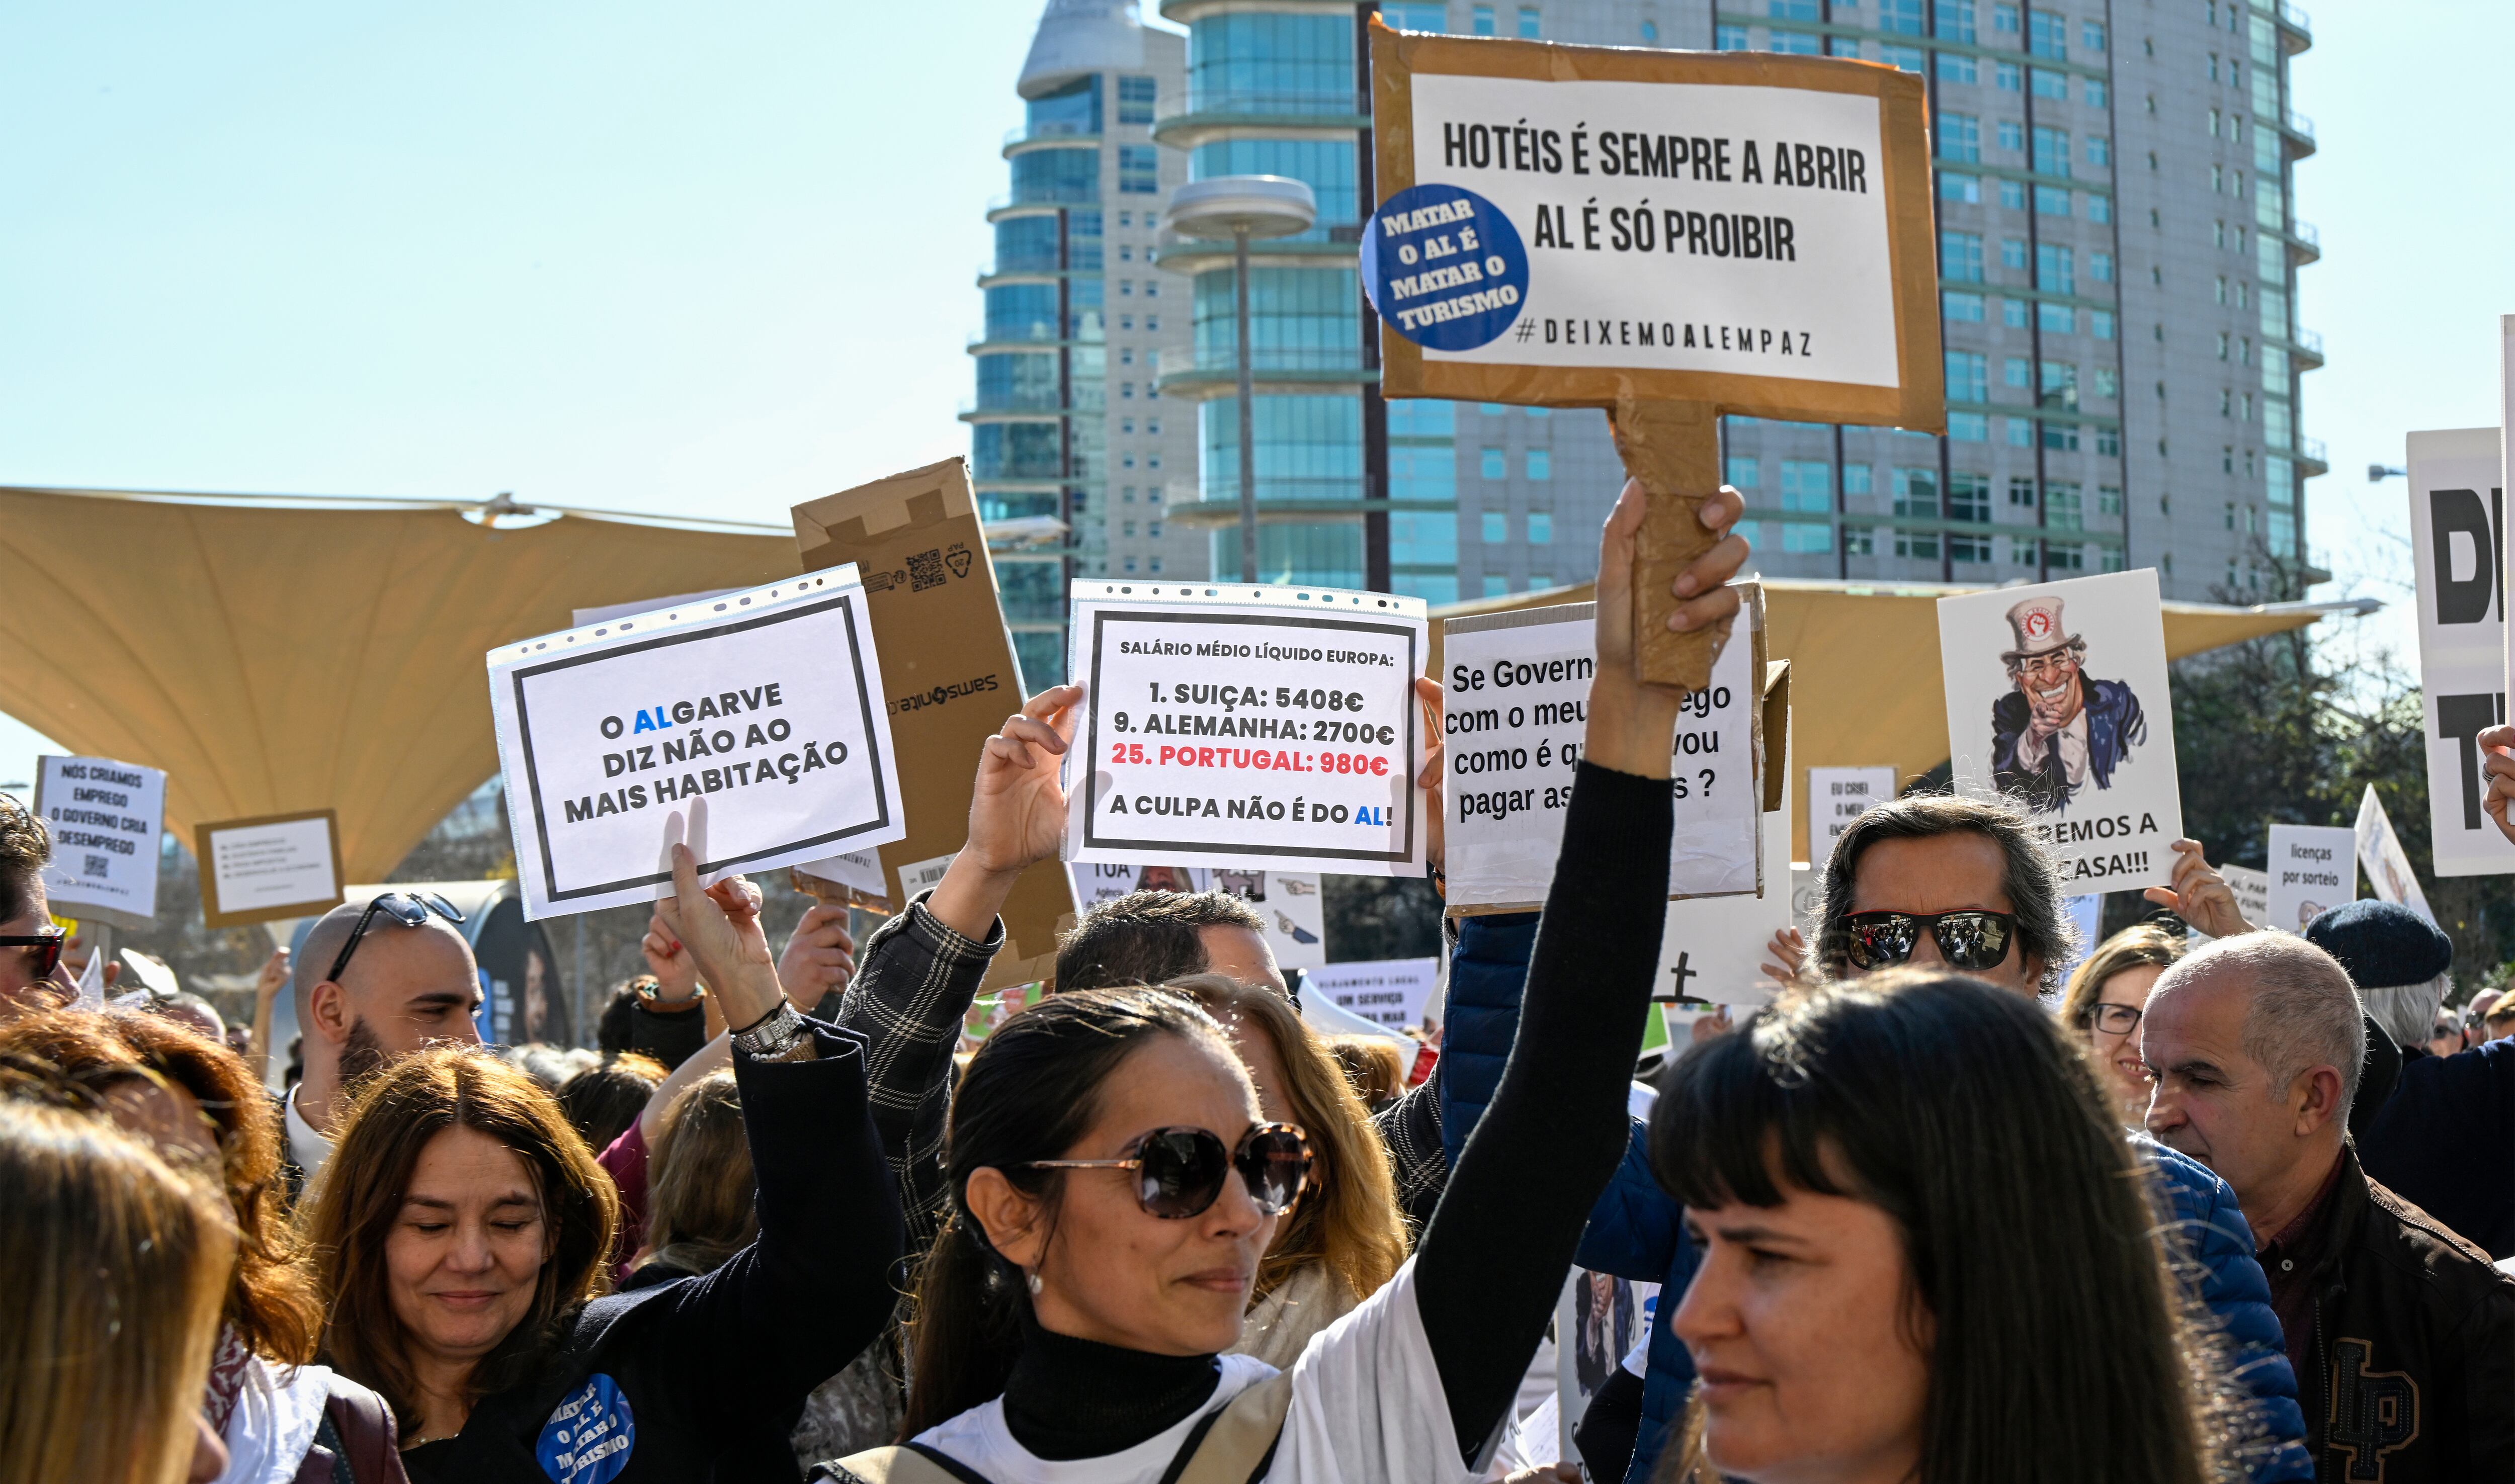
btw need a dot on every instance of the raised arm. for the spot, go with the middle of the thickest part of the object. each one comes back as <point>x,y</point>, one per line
<point>1494,1258</point>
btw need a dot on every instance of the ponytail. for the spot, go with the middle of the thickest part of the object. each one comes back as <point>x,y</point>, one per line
<point>1031,1092</point>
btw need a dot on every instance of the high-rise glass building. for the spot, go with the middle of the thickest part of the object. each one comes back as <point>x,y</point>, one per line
<point>1070,449</point>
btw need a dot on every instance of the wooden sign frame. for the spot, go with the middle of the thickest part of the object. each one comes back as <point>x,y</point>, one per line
<point>1919,400</point>
<point>202,836</point>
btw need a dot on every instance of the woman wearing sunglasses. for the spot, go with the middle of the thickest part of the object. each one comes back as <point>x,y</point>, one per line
<point>1114,1184</point>
<point>2104,1002</point>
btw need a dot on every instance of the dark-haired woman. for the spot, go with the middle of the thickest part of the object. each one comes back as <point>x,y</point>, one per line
<point>1114,1184</point>
<point>1928,1255</point>
<point>464,1232</point>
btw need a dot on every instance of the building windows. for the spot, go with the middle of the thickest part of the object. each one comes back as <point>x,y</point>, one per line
<point>1492,464</point>
<point>1743,474</point>
<point>2003,19</point>
<point>2013,195</point>
<point>1729,38</point>
<point>2099,150</point>
<point>1541,527</point>
<point>1807,486</point>
<point>1960,256</point>
<point>2051,201</point>
<point>1968,377</point>
<point>2056,319</point>
<point>1540,462</point>
<point>1968,427</point>
<point>1960,137</point>
<point>2007,77</point>
<point>1917,493</point>
<point>1481,21</point>
<point>2092,36</point>
<point>2043,82</point>
<point>2048,35</point>
<point>2100,323</point>
<point>1970,497</point>
<point>2012,252</point>
<point>2060,387</point>
<point>2012,136</point>
<point>2100,267</point>
<point>1527,22</point>
<point>1794,43</point>
<point>1955,20</point>
<point>1650,33</point>
<point>2021,492</point>
<point>1901,16</point>
<point>2053,272</point>
<point>1496,586</point>
<point>2052,151</point>
<point>2107,383</point>
<point>1136,99</point>
<point>1960,306</point>
<point>1495,529</point>
<point>2096,95</point>
<point>2061,437</point>
<point>1956,67</point>
<point>2012,314</point>
<point>2018,371</point>
<point>1416,16</point>
<point>2109,500</point>
<point>2062,508</point>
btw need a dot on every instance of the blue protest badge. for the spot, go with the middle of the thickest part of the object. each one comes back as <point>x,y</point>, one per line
<point>1444,268</point>
<point>588,1439</point>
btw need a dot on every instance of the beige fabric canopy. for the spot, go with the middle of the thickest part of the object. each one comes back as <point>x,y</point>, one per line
<point>277,654</point>
<point>1864,684</point>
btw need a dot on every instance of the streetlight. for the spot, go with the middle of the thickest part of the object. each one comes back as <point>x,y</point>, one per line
<point>1240,208</point>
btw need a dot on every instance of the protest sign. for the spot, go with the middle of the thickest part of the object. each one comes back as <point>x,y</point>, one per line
<point>1388,992</point>
<point>105,817</point>
<point>1838,796</point>
<point>2091,761</point>
<point>1247,726</point>
<point>2312,868</point>
<point>948,675</point>
<point>850,880</point>
<point>2252,891</point>
<point>2458,552</point>
<point>1599,1320</point>
<point>1515,708</point>
<point>1293,904</point>
<point>2388,869</point>
<point>273,866</point>
<point>1712,949</point>
<point>1668,235</point>
<point>752,720</point>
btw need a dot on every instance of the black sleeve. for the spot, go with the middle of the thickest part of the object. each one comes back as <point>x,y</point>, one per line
<point>671,1038</point>
<point>1493,1260</point>
<point>752,1340</point>
<point>1608,1427</point>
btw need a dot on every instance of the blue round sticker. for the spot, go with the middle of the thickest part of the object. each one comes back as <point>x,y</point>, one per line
<point>1444,268</point>
<point>589,1438</point>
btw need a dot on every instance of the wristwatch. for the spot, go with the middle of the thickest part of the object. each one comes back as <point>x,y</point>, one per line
<point>778,1036</point>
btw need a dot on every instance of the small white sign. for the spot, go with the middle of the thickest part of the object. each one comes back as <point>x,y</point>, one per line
<point>1388,992</point>
<point>1838,796</point>
<point>2388,869</point>
<point>264,867</point>
<point>105,817</point>
<point>857,870</point>
<point>2252,891</point>
<point>923,876</point>
<point>1712,950</point>
<point>755,719</point>
<point>2312,868</point>
<point>1515,705</point>
<point>2092,760</point>
<point>1267,727</point>
<point>2457,541</point>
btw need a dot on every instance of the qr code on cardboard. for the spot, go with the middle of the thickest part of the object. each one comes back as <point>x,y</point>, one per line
<point>925,570</point>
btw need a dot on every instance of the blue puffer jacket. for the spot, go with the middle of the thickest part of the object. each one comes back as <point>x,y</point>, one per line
<point>1636,1230</point>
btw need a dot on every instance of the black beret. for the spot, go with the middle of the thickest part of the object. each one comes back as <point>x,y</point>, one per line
<point>2381,944</point>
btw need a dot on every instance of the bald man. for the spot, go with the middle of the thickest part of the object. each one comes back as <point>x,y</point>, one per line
<point>401,989</point>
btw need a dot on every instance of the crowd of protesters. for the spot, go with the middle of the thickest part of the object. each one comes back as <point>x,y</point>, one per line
<point>2229,1211</point>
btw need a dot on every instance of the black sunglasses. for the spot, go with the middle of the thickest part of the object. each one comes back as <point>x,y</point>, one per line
<point>1970,940</point>
<point>408,908</point>
<point>43,951</point>
<point>1179,1171</point>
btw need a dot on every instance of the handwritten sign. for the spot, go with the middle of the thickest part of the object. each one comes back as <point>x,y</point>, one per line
<point>1516,702</point>
<point>2252,891</point>
<point>755,717</point>
<point>105,817</point>
<point>1388,992</point>
<point>1247,726</point>
<point>1838,796</point>
<point>2312,868</point>
<point>1712,950</point>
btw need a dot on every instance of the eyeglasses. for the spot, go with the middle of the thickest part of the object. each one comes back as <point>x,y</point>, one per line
<point>1970,940</point>
<point>1179,1171</point>
<point>43,951</point>
<point>408,908</point>
<point>2111,1019</point>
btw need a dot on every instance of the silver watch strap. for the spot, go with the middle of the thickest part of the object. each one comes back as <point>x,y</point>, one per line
<point>777,1037</point>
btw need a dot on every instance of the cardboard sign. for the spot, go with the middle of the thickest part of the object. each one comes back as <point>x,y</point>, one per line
<point>1388,992</point>
<point>2091,760</point>
<point>2312,868</point>
<point>1515,706</point>
<point>1571,225</point>
<point>105,817</point>
<point>2457,551</point>
<point>1711,950</point>
<point>753,719</point>
<point>2388,869</point>
<point>263,869</point>
<point>2252,891</point>
<point>1838,796</point>
<point>1247,726</point>
<point>948,673</point>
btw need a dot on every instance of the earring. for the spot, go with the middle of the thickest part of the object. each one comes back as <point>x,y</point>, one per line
<point>1034,1283</point>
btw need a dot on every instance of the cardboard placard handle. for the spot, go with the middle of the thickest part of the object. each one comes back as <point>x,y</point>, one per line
<point>1672,449</point>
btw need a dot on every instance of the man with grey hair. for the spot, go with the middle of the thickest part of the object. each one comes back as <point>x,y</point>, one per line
<point>375,982</point>
<point>2402,1335</point>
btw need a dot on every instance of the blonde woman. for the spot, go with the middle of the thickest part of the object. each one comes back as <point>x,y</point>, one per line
<point>102,1362</point>
<point>2104,1003</point>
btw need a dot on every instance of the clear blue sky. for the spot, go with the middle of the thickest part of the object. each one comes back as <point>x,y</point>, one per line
<point>718,258</point>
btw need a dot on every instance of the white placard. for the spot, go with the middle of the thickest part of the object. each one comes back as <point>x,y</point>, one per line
<point>2458,540</point>
<point>858,870</point>
<point>1637,261</point>
<point>2252,891</point>
<point>2388,870</point>
<point>753,719</point>
<point>1514,707</point>
<point>2312,868</point>
<point>259,867</point>
<point>922,876</point>
<point>105,817</point>
<point>1265,727</point>
<point>2091,760</point>
<point>1388,992</point>
<point>1712,950</point>
<point>1838,796</point>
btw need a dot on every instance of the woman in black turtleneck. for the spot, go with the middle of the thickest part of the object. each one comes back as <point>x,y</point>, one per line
<point>1071,1315</point>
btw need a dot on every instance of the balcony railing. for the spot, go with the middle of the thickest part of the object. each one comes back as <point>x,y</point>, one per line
<point>1066,132</point>
<point>1048,193</point>
<point>2301,125</point>
<point>2295,19</point>
<point>1219,360</point>
<point>1334,103</point>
